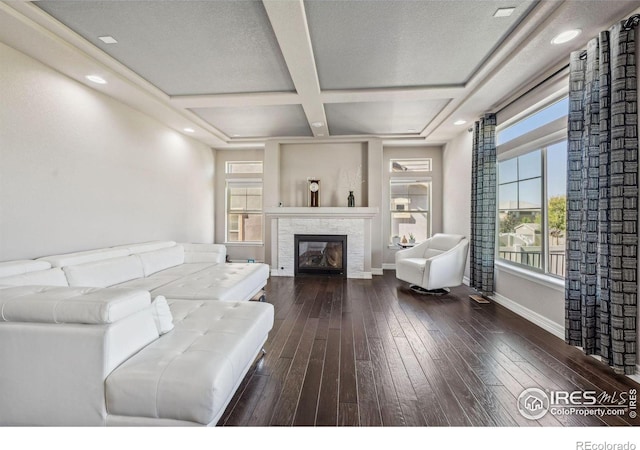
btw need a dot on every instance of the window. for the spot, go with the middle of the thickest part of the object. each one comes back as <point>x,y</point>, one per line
<point>410,165</point>
<point>244,211</point>
<point>410,206</point>
<point>532,195</point>
<point>244,202</point>
<point>534,121</point>
<point>244,167</point>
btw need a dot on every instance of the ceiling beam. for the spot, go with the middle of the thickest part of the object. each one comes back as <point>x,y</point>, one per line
<point>289,23</point>
<point>392,94</point>
<point>224,100</point>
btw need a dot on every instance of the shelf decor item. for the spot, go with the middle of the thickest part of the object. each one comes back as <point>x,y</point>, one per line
<point>351,200</point>
<point>314,192</point>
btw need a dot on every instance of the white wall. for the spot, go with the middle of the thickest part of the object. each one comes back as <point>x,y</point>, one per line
<point>456,186</point>
<point>331,164</point>
<point>79,170</point>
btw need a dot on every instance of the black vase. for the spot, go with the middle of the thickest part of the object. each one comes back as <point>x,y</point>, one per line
<point>351,200</point>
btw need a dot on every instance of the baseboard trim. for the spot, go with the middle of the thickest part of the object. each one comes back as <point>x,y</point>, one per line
<point>532,316</point>
<point>377,271</point>
<point>388,266</point>
<point>466,281</point>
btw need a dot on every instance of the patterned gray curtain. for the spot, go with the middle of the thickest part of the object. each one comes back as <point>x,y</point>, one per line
<point>483,205</point>
<point>602,200</point>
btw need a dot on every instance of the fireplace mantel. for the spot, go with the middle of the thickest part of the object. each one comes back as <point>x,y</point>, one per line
<point>322,211</point>
<point>355,223</point>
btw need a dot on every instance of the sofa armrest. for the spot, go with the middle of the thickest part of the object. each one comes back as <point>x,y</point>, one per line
<point>447,268</point>
<point>54,373</point>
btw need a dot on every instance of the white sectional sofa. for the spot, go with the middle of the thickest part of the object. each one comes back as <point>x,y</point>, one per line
<point>147,334</point>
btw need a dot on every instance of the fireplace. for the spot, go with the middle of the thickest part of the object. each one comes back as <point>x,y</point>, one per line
<point>321,254</point>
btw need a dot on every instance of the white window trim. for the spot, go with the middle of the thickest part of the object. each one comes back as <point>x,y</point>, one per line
<point>531,275</point>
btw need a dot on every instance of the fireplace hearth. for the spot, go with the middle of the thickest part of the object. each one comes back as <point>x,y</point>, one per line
<point>320,254</point>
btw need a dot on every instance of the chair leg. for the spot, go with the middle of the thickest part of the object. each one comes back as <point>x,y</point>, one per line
<point>420,290</point>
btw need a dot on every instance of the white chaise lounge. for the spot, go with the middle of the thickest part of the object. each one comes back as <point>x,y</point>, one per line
<point>89,339</point>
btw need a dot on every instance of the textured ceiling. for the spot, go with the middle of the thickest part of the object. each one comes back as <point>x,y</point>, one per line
<point>381,117</point>
<point>239,72</point>
<point>388,44</point>
<point>258,121</point>
<point>184,47</point>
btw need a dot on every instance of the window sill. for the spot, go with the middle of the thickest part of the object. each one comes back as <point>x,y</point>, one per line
<point>539,278</point>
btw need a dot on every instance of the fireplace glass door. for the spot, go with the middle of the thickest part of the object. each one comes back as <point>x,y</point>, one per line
<point>320,254</point>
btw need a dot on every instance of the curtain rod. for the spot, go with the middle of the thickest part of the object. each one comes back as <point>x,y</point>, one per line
<point>630,23</point>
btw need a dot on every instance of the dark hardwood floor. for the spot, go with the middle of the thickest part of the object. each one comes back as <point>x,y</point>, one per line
<point>372,353</point>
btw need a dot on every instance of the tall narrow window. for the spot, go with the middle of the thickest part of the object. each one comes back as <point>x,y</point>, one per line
<point>244,211</point>
<point>410,206</point>
<point>244,202</point>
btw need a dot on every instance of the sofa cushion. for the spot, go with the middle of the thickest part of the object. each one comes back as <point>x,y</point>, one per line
<point>226,282</point>
<point>162,315</point>
<point>49,277</point>
<point>105,273</point>
<point>146,246</point>
<point>182,270</point>
<point>157,260</point>
<point>200,257</point>
<point>194,253</point>
<point>192,373</point>
<point>70,305</point>
<point>148,284</point>
<point>72,259</point>
<point>11,268</point>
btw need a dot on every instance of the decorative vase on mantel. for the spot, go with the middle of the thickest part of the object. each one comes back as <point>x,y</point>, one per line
<point>351,200</point>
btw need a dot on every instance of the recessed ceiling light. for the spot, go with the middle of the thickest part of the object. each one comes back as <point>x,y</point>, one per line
<point>320,134</point>
<point>566,36</point>
<point>96,79</point>
<point>235,135</point>
<point>108,39</point>
<point>317,124</point>
<point>460,122</point>
<point>189,130</point>
<point>411,130</point>
<point>504,12</point>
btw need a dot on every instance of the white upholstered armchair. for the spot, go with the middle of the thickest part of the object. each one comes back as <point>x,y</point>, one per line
<point>434,265</point>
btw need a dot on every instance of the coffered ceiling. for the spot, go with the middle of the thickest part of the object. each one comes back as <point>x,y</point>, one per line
<point>241,72</point>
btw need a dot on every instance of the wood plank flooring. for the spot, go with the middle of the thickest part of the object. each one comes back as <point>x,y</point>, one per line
<point>372,353</point>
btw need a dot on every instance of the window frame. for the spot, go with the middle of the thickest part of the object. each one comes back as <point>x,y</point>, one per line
<point>242,182</point>
<point>541,138</point>
<point>408,181</point>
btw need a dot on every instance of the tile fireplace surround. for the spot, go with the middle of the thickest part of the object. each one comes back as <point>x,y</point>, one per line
<point>289,221</point>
